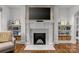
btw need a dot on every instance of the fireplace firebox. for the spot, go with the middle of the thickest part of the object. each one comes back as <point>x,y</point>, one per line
<point>39,38</point>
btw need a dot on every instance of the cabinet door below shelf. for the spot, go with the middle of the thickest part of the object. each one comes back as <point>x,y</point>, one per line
<point>18,38</point>
<point>64,37</point>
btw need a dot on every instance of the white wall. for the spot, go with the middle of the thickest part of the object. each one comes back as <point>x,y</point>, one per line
<point>61,13</point>
<point>23,25</point>
<point>4,18</point>
<point>74,10</point>
<point>64,13</point>
<point>0,17</point>
<point>56,19</point>
<point>13,13</point>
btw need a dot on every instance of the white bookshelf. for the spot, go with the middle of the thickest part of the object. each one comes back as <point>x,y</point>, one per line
<point>64,32</point>
<point>16,30</point>
<point>77,27</point>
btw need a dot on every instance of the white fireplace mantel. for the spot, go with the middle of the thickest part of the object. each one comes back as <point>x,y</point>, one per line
<point>39,26</point>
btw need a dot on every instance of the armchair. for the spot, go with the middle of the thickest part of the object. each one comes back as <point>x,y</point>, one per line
<point>6,42</point>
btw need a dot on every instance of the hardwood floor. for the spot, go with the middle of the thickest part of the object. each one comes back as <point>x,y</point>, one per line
<point>19,48</point>
<point>60,48</point>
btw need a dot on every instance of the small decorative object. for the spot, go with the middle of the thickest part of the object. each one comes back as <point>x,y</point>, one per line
<point>17,21</point>
<point>19,33</point>
<point>67,23</point>
<point>62,22</point>
<point>62,27</point>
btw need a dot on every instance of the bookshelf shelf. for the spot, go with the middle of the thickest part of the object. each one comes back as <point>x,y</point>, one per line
<point>64,32</point>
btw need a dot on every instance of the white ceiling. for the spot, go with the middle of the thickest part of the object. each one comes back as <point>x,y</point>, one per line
<point>65,6</point>
<point>61,6</point>
<point>15,6</point>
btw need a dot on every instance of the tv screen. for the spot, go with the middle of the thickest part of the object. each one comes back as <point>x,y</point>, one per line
<point>39,13</point>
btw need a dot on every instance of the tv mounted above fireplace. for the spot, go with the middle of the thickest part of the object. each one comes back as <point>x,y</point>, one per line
<point>39,13</point>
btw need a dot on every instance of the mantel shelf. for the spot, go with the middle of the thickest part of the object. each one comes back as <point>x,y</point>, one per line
<point>39,22</point>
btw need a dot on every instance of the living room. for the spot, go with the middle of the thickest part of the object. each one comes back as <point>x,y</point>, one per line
<point>39,28</point>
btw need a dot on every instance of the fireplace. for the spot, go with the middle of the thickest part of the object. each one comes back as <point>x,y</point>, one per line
<point>39,38</point>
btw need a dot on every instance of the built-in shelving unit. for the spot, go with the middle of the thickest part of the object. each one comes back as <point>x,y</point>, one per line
<point>64,32</point>
<point>16,30</point>
<point>77,27</point>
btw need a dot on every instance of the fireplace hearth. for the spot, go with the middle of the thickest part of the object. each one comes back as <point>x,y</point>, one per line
<point>39,38</point>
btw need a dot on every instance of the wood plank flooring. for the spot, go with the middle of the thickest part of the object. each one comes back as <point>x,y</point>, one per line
<point>60,48</point>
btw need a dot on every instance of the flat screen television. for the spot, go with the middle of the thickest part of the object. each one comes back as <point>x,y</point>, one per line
<point>38,13</point>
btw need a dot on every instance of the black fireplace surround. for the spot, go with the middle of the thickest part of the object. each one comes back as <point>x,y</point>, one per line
<point>39,38</point>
